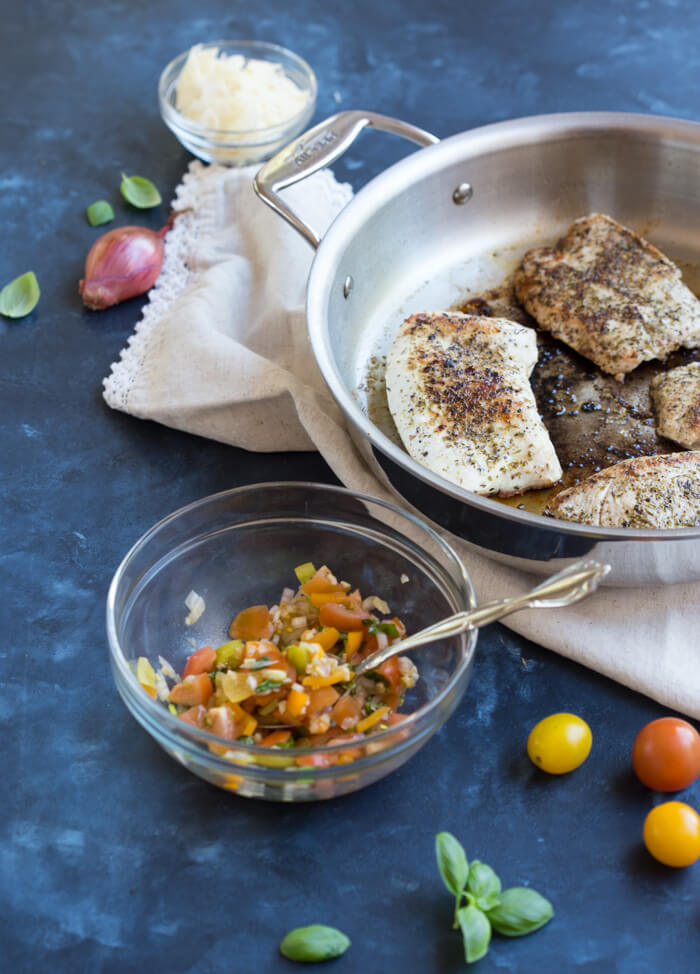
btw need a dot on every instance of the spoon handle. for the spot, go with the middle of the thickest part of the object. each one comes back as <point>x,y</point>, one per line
<point>564,588</point>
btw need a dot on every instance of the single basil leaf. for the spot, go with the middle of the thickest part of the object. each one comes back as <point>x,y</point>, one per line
<point>139,192</point>
<point>268,685</point>
<point>314,943</point>
<point>520,911</point>
<point>452,862</point>
<point>484,885</point>
<point>99,212</point>
<point>476,932</point>
<point>20,297</point>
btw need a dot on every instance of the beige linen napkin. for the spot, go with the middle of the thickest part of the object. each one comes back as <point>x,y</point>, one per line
<point>222,351</point>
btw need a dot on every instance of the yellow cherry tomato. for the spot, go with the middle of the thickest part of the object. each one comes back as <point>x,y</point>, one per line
<point>559,743</point>
<point>672,834</point>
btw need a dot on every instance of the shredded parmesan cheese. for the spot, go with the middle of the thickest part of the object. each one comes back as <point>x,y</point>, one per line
<point>235,93</point>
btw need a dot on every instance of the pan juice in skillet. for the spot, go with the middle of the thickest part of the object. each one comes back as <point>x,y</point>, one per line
<point>593,420</point>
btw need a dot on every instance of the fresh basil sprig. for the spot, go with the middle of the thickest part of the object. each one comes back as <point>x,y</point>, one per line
<point>268,685</point>
<point>387,627</point>
<point>512,912</point>
<point>314,943</point>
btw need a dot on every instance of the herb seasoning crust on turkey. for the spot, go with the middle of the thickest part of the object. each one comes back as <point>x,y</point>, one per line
<point>459,392</point>
<point>609,294</point>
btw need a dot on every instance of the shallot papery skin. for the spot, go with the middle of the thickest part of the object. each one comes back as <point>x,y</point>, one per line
<point>122,264</point>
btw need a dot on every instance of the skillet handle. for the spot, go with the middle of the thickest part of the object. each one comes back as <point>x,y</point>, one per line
<point>318,148</point>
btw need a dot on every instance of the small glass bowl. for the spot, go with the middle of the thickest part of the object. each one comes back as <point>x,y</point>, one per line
<point>239,548</point>
<point>232,147</point>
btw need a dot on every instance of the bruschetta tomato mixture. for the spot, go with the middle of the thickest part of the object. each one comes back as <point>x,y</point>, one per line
<point>285,678</point>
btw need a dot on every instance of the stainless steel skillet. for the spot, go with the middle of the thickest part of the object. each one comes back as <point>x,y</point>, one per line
<point>448,222</point>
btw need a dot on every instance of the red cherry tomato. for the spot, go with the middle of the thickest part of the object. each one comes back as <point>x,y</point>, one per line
<point>666,754</point>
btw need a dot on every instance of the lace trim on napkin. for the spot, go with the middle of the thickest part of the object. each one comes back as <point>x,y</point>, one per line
<point>196,203</point>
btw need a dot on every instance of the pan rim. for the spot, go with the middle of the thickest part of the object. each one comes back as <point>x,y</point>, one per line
<point>390,183</point>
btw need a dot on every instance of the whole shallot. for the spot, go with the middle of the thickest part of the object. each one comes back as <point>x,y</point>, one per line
<point>122,264</point>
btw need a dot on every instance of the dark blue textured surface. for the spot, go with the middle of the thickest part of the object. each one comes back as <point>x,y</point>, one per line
<point>113,858</point>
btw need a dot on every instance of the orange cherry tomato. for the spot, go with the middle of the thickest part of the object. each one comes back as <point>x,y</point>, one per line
<point>672,834</point>
<point>666,754</point>
<point>192,691</point>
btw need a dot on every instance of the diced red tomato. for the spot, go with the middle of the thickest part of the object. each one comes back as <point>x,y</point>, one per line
<point>391,672</point>
<point>313,761</point>
<point>221,721</point>
<point>276,738</point>
<point>346,709</point>
<point>252,623</point>
<point>200,662</point>
<point>193,690</point>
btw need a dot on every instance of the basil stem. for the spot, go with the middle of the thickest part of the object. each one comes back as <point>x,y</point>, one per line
<point>140,192</point>
<point>314,943</point>
<point>20,297</point>
<point>521,911</point>
<point>476,932</point>
<point>99,212</point>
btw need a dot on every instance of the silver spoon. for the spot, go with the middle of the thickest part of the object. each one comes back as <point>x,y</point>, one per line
<point>566,587</point>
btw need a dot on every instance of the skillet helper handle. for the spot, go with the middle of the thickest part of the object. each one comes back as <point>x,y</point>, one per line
<point>318,148</point>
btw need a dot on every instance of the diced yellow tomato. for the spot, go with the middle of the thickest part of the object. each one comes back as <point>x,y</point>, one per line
<point>321,698</point>
<point>343,618</point>
<point>375,718</point>
<point>353,643</point>
<point>296,702</point>
<point>202,661</point>
<point>326,638</point>
<point>252,623</point>
<point>192,691</point>
<point>146,676</point>
<point>339,676</point>
<point>276,738</point>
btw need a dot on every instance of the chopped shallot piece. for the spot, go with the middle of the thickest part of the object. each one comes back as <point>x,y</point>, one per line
<point>196,604</point>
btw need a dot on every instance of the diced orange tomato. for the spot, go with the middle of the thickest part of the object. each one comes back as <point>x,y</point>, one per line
<point>324,598</point>
<point>252,623</point>
<point>202,661</point>
<point>194,716</point>
<point>321,698</point>
<point>276,738</point>
<point>353,643</point>
<point>372,719</point>
<point>326,638</point>
<point>192,691</point>
<point>319,583</point>
<point>347,709</point>
<point>343,618</point>
<point>151,691</point>
<point>256,649</point>
<point>220,721</point>
<point>296,701</point>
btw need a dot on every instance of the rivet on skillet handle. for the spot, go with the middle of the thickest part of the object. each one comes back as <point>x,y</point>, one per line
<point>318,148</point>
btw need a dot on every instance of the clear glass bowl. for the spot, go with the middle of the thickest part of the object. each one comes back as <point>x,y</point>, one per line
<point>239,548</point>
<point>232,147</point>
